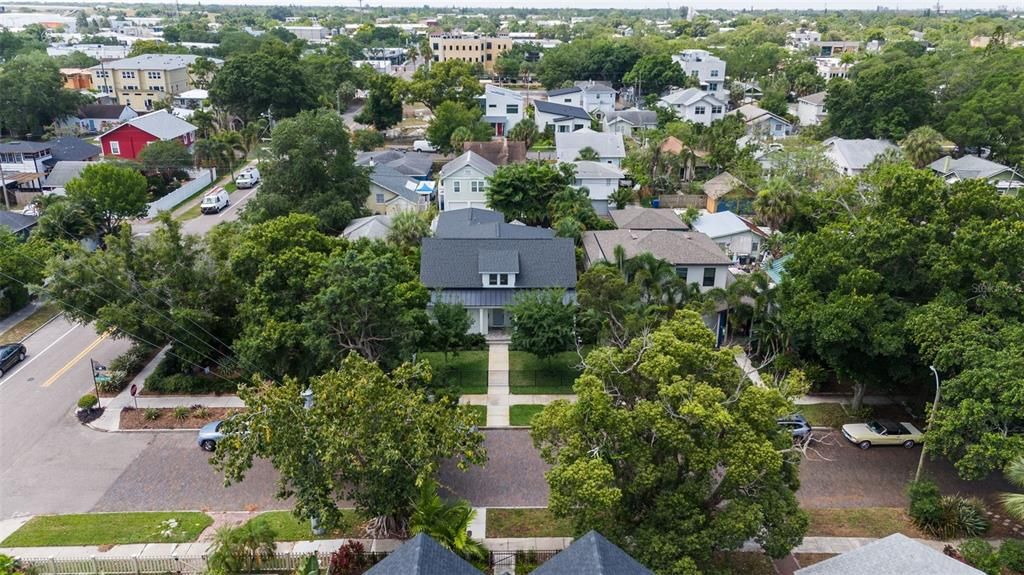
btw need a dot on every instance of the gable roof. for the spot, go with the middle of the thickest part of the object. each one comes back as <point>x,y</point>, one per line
<point>63,172</point>
<point>414,164</point>
<point>477,161</point>
<point>564,91</point>
<point>394,181</point>
<point>498,152</point>
<point>101,111</point>
<point>674,246</point>
<point>587,170</point>
<point>484,224</point>
<point>561,110</point>
<point>815,99</point>
<point>752,113</point>
<point>633,116</point>
<point>606,144</point>
<point>498,90</point>
<point>689,96</point>
<point>592,87</point>
<point>721,185</point>
<point>455,263</point>
<point>24,146</point>
<point>968,167</point>
<point>162,124</point>
<point>70,148</point>
<point>594,555</point>
<point>371,227</point>
<point>896,554</point>
<point>721,224</point>
<point>637,218</point>
<point>16,222</point>
<point>498,261</point>
<point>421,555</point>
<point>857,154</point>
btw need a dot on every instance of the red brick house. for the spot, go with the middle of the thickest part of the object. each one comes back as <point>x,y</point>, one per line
<point>128,139</point>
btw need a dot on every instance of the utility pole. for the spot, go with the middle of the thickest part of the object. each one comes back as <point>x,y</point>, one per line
<point>3,187</point>
<point>931,417</point>
<point>307,397</point>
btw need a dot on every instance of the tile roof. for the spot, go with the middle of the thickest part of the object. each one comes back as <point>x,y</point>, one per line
<point>637,218</point>
<point>484,224</point>
<point>475,160</point>
<point>896,554</point>
<point>675,247</point>
<point>606,144</point>
<point>74,149</point>
<point>592,554</point>
<point>63,172</point>
<point>421,555</point>
<point>455,263</point>
<point>561,110</point>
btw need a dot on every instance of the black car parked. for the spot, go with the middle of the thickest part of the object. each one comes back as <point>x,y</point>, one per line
<point>10,355</point>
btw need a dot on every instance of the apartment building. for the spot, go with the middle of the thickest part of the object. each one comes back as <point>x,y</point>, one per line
<point>141,81</point>
<point>708,69</point>
<point>483,50</point>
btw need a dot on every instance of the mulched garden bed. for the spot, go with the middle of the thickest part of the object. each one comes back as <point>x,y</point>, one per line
<point>132,418</point>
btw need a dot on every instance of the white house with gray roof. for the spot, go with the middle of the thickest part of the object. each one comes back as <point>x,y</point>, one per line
<point>896,554</point>
<point>463,182</point>
<point>810,109</point>
<point>503,108</point>
<point>740,238</point>
<point>563,117</point>
<point>695,257</point>
<point>630,122</point>
<point>1005,178</point>
<point>600,180</point>
<point>851,157</point>
<point>709,70</point>
<point>596,98</point>
<point>694,105</point>
<point>392,192</point>
<point>609,147</point>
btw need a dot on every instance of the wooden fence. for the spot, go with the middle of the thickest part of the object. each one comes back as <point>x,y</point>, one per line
<point>682,201</point>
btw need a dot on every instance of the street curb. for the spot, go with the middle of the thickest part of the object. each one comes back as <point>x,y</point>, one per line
<point>100,429</point>
<point>46,323</point>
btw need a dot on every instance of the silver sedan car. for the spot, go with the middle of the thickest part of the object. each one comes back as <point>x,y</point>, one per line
<point>209,435</point>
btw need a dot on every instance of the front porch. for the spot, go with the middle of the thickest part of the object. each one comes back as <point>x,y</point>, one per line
<point>489,321</point>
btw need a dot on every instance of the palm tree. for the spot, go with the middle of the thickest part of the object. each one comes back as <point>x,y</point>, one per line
<point>407,228</point>
<point>241,549</point>
<point>1014,502</point>
<point>525,131</point>
<point>776,204</point>
<point>232,143</point>
<point>922,146</point>
<point>588,154</point>
<point>446,523</point>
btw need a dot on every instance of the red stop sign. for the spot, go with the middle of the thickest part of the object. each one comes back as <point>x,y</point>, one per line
<point>133,390</point>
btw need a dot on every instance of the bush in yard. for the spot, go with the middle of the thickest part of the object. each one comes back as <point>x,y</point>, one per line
<point>201,412</point>
<point>945,517</point>
<point>241,549</point>
<point>151,414</point>
<point>979,554</point>
<point>542,323</point>
<point>125,366</point>
<point>169,377</point>
<point>925,508</point>
<point>181,413</point>
<point>366,140</point>
<point>351,559</point>
<point>87,401</point>
<point>1011,555</point>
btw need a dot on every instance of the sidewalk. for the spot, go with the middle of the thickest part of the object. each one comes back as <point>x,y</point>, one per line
<point>497,385</point>
<point>17,317</point>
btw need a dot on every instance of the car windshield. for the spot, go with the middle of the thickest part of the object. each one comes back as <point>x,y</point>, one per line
<point>876,427</point>
<point>209,200</point>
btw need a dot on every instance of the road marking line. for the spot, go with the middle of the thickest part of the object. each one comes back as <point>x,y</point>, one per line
<point>239,202</point>
<point>76,359</point>
<point>33,357</point>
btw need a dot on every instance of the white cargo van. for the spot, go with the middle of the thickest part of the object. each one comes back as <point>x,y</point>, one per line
<point>215,201</point>
<point>248,178</point>
<point>423,146</point>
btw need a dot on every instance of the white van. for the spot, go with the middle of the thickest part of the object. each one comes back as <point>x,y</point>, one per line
<point>215,201</point>
<point>248,178</point>
<point>423,146</point>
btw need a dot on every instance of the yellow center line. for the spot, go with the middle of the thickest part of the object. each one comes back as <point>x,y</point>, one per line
<point>76,359</point>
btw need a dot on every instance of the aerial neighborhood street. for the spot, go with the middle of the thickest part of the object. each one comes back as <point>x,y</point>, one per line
<point>452,291</point>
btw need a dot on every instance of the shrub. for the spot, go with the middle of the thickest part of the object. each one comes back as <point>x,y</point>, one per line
<point>366,140</point>
<point>1011,555</point>
<point>87,401</point>
<point>200,411</point>
<point>181,413</point>
<point>925,509</point>
<point>151,414</point>
<point>241,549</point>
<point>170,378</point>
<point>351,559</point>
<point>945,517</point>
<point>126,366</point>
<point>980,554</point>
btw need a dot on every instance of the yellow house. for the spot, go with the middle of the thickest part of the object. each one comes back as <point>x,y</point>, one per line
<point>474,48</point>
<point>142,81</point>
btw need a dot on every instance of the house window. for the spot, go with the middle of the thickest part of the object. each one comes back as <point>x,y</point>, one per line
<point>511,108</point>
<point>503,279</point>
<point>154,75</point>
<point>716,109</point>
<point>754,247</point>
<point>127,75</point>
<point>714,73</point>
<point>681,271</point>
<point>699,111</point>
<point>456,187</point>
<point>115,148</point>
<point>563,128</point>
<point>709,277</point>
<point>476,186</point>
<point>497,279</point>
<point>380,198</point>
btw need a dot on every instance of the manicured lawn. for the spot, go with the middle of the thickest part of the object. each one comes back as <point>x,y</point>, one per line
<point>288,528</point>
<point>522,414</point>
<point>528,374</point>
<point>109,529</point>
<point>860,522</point>
<point>466,371</point>
<point>526,523</point>
<point>31,323</point>
<point>480,413</point>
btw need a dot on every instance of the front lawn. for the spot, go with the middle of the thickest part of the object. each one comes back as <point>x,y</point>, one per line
<point>466,371</point>
<point>289,528</point>
<point>860,522</point>
<point>522,414</point>
<point>522,522</point>
<point>528,374</point>
<point>109,529</point>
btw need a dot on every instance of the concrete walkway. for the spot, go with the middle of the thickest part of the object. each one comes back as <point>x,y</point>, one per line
<point>497,385</point>
<point>17,317</point>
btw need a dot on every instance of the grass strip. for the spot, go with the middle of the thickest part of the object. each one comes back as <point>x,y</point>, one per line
<point>526,523</point>
<point>34,321</point>
<point>109,529</point>
<point>289,528</point>
<point>522,414</point>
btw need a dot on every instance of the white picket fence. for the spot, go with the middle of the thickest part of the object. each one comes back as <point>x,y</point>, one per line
<point>200,179</point>
<point>141,565</point>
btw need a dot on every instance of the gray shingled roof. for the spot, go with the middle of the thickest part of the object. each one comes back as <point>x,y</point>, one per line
<point>561,110</point>
<point>896,554</point>
<point>816,99</point>
<point>498,261</point>
<point>416,164</point>
<point>857,154</point>
<point>73,149</point>
<point>637,218</point>
<point>564,91</point>
<point>421,555</point>
<point>968,167</point>
<point>101,111</point>
<point>15,221</point>
<point>633,116</point>
<point>371,227</point>
<point>592,554</point>
<point>455,263</point>
<point>63,172</point>
<point>394,181</point>
<point>484,224</point>
<point>477,161</point>
<point>23,146</point>
<point>675,247</point>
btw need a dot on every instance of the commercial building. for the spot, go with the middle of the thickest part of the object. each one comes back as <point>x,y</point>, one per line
<point>474,48</point>
<point>141,81</point>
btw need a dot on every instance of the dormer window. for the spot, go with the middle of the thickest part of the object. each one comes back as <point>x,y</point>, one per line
<point>497,279</point>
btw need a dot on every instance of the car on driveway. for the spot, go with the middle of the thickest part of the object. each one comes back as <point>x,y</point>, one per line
<point>209,435</point>
<point>864,435</point>
<point>797,425</point>
<point>11,354</point>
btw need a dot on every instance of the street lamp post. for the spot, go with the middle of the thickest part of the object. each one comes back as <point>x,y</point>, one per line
<point>307,397</point>
<point>931,417</point>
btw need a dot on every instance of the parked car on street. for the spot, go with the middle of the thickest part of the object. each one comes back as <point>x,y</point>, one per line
<point>209,435</point>
<point>797,425</point>
<point>215,201</point>
<point>248,178</point>
<point>864,435</point>
<point>423,146</point>
<point>11,354</point>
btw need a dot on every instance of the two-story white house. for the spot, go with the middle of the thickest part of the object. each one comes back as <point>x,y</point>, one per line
<point>503,108</point>
<point>762,125</point>
<point>741,239</point>
<point>23,166</point>
<point>631,122</point>
<point>600,180</point>
<point>810,109</point>
<point>609,147</point>
<point>708,69</point>
<point>563,117</point>
<point>694,105</point>
<point>463,182</point>
<point>596,98</point>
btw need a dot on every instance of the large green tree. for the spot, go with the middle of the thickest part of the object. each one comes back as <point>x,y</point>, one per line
<point>671,453</point>
<point>885,98</point>
<point>165,158</point>
<point>383,107</point>
<point>110,194</point>
<point>370,438</point>
<point>32,95</point>
<point>451,118</point>
<point>269,81</point>
<point>542,322</point>
<point>312,170</point>
<point>448,81</point>
<point>524,191</point>
<point>655,73</point>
